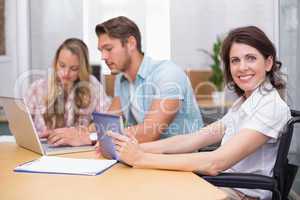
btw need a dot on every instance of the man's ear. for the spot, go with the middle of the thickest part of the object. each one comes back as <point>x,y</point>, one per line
<point>269,63</point>
<point>131,43</point>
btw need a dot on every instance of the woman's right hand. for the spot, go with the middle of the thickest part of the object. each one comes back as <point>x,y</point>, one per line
<point>45,133</point>
<point>127,148</point>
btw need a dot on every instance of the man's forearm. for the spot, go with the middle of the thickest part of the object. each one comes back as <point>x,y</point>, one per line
<point>115,107</point>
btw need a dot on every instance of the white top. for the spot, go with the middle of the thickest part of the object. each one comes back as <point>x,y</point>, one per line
<point>264,111</point>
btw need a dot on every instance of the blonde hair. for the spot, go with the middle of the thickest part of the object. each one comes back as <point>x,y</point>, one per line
<point>54,101</point>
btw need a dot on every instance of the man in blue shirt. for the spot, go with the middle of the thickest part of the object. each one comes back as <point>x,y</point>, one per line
<point>155,97</point>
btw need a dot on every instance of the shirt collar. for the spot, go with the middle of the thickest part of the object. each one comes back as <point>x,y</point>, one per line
<point>144,69</point>
<point>250,104</point>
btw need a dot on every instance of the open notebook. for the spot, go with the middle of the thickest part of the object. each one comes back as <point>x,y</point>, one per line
<point>59,165</point>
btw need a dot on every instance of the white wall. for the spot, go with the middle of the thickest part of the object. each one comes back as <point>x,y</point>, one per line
<point>51,22</point>
<point>16,59</point>
<point>195,25</point>
<point>289,49</point>
<point>290,56</point>
<point>98,11</point>
<point>173,29</point>
<point>8,63</point>
<point>151,16</point>
<point>170,29</point>
<point>77,18</point>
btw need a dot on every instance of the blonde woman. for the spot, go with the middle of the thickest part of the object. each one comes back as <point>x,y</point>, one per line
<point>61,105</point>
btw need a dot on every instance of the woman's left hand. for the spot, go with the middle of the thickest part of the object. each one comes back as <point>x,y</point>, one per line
<point>127,147</point>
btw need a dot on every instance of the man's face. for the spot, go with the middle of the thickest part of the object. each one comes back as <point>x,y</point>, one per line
<point>116,56</point>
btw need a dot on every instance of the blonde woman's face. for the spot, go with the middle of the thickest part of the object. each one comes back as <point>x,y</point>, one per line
<point>67,67</point>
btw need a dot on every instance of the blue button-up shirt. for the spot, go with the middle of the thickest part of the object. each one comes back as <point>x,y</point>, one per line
<point>159,80</point>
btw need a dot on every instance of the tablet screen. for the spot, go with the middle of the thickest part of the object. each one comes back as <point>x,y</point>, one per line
<point>107,122</point>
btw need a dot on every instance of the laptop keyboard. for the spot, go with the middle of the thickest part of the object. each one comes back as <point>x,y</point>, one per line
<point>50,148</point>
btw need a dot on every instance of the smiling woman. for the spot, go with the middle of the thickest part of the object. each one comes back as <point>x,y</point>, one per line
<point>250,131</point>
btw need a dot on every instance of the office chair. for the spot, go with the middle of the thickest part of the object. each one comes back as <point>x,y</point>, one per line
<point>284,172</point>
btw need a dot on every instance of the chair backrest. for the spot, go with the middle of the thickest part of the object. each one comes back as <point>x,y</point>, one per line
<point>284,172</point>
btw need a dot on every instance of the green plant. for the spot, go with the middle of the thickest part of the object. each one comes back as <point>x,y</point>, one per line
<point>217,77</point>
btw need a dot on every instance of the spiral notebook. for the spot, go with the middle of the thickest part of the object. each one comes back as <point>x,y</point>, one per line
<point>60,165</point>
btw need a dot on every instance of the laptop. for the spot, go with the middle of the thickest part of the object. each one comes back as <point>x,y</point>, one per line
<point>22,127</point>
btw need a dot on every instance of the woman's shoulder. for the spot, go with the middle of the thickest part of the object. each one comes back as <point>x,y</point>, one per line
<point>35,93</point>
<point>272,105</point>
<point>273,98</point>
<point>93,80</point>
<point>95,83</point>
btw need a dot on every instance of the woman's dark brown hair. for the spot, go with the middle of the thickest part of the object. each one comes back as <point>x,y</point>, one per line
<point>256,38</point>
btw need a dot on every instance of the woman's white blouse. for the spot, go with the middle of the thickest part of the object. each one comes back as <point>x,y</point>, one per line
<point>264,111</point>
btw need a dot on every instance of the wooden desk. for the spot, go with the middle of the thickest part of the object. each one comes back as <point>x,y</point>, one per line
<point>119,182</point>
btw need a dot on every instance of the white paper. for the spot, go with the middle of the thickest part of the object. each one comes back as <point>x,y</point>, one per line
<point>54,164</point>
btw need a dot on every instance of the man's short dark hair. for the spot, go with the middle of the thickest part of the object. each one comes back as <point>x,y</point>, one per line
<point>121,28</point>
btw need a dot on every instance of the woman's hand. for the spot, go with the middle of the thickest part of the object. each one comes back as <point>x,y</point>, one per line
<point>69,136</point>
<point>127,148</point>
<point>100,151</point>
<point>45,133</point>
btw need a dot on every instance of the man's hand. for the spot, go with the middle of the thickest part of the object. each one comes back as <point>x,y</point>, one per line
<point>69,136</point>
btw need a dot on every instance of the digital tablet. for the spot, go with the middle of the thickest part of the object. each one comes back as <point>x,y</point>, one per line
<point>107,122</point>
